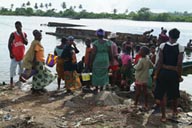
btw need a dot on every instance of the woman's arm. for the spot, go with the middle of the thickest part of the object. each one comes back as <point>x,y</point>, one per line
<point>93,54</point>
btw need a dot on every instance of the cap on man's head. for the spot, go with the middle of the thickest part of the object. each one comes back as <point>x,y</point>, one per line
<point>70,38</point>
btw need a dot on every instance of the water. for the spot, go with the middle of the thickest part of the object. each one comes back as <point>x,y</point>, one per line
<point>49,42</point>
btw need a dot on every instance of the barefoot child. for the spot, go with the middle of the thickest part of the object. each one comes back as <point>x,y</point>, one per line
<point>126,69</point>
<point>141,75</point>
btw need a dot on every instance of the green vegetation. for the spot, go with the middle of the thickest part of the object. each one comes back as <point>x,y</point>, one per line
<point>144,14</point>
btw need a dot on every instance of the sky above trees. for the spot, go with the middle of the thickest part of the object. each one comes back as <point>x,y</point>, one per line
<point>110,5</point>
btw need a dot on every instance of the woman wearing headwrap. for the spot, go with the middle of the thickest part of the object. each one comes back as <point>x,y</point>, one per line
<point>60,61</point>
<point>71,77</point>
<point>101,57</point>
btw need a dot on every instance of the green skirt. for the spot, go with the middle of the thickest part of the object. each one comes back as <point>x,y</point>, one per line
<point>100,76</point>
<point>43,78</point>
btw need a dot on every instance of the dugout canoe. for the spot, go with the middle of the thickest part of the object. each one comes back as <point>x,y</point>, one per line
<point>85,33</point>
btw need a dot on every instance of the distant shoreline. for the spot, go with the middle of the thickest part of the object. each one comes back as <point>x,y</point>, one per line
<point>144,14</point>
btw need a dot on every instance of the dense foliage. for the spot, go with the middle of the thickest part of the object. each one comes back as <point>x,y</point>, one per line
<point>144,14</point>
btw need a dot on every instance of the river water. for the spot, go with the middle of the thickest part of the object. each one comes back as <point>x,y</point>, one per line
<point>49,42</point>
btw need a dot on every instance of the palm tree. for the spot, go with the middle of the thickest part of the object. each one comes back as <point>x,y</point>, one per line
<point>114,11</point>
<point>36,6</point>
<point>74,7</point>
<point>50,4</point>
<point>126,11</point>
<point>28,3</point>
<point>46,5</point>
<point>41,5</point>
<point>12,5</point>
<point>63,5</point>
<point>23,5</point>
<point>80,6</point>
<point>71,8</point>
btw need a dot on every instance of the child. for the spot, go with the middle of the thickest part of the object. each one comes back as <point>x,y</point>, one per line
<point>88,55</point>
<point>87,62</point>
<point>152,54</point>
<point>126,72</point>
<point>141,75</point>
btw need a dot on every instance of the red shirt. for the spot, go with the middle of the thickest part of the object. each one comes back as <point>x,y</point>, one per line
<point>18,48</point>
<point>137,57</point>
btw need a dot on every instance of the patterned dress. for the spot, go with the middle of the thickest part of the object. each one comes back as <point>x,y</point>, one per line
<point>60,63</point>
<point>44,76</point>
<point>71,77</point>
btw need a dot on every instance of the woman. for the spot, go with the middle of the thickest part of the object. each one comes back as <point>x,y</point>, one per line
<point>168,73</point>
<point>72,81</point>
<point>101,57</point>
<point>60,61</point>
<point>43,77</point>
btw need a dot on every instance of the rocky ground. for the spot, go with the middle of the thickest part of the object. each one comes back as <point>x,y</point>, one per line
<point>19,109</point>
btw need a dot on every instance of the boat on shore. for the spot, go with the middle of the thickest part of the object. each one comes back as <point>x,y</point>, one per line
<point>56,24</point>
<point>66,29</point>
<point>85,33</point>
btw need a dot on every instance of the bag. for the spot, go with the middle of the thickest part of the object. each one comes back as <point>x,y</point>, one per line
<point>51,60</point>
<point>28,73</point>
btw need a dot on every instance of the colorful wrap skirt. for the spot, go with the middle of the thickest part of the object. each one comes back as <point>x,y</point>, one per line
<point>43,78</point>
<point>59,68</point>
<point>72,80</point>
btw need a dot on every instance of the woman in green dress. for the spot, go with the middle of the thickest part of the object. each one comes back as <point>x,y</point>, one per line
<point>101,57</point>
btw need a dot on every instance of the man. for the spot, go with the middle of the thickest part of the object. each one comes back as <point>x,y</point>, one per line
<point>16,47</point>
<point>163,36</point>
<point>114,66</point>
<point>168,73</point>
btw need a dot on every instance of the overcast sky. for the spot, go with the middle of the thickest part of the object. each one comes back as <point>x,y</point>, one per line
<point>109,5</point>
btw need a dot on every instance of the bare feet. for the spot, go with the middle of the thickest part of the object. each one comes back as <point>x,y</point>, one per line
<point>11,86</point>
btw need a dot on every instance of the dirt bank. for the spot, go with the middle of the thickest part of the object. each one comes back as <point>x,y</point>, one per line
<point>20,109</point>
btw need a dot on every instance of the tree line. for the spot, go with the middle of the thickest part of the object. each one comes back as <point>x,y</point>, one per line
<point>45,9</point>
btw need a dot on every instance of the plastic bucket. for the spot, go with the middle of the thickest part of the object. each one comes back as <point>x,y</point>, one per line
<point>85,76</point>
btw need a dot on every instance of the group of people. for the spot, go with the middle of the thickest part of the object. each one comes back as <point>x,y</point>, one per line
<point>101,57</point>
<point>31,63</point>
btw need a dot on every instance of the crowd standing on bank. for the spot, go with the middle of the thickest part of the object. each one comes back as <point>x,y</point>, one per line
<point>108,64</point>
